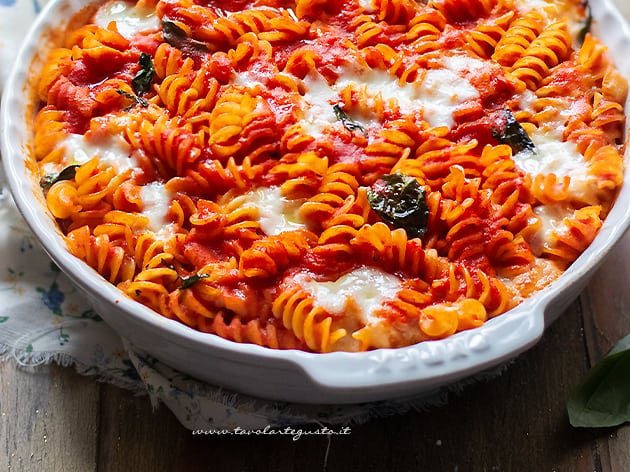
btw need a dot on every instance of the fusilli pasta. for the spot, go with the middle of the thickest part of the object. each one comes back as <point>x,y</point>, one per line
<point>326,176</point>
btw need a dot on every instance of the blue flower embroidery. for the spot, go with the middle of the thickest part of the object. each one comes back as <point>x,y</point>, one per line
<point>53,298</point>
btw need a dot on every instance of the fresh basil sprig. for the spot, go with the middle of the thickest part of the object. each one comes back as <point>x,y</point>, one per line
<point>49,180</point>
<point>188,282</point>
<point>347,122</point>
<point>585,25</point>
<point>400,200</point>
<point>141,83</point>
<point>602,399</point>
<point>177,37</point>
<point>509,131</point>
<point>139,100</point>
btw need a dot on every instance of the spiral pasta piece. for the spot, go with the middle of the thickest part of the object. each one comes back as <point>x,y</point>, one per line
<point>309,322</point>
<point>546,51</point>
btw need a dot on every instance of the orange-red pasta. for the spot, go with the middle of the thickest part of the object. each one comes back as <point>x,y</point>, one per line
<point>326,176</point>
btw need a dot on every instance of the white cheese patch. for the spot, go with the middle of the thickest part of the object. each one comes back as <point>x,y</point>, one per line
<point>552,156</point>
<point>441,92</point>
<point>551,217</point>
<point>247,79</point>
<point>319,98</point>
<point>436,94</point>
<point>276,213</point>
<point>367,5</point>
<point>527,100</point>
<point>534,4</point>
<point>539,6</point>
<point>366,288</point>
<point>461,64</point>
<point>130,20</point>
<point>51,168</point>
<point>156,201</point>
<point>113,151</point>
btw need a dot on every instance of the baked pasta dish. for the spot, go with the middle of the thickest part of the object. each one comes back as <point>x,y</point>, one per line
<point>330,176</point>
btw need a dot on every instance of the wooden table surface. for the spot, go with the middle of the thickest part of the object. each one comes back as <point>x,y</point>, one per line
<point>57,420</point>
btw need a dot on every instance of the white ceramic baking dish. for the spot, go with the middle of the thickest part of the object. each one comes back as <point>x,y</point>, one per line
<point>294,375</point>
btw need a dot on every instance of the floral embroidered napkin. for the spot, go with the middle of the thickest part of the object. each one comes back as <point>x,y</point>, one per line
<point>44,319</point>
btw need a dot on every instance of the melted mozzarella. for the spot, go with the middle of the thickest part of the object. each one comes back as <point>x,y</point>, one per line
<point>247,79</point>
<point>551,217</point>
<point>527,100</point>
<point>156,201</point>
<point>130,20</point>
<point>367,5</point>
<point>276,213</point>
<point>461,64</point>
<point>535,4</point>
<point>113,150</point>
<point>319,98</point>
<point>360,292</point>
<point>552,156</point>
<point>437,94</point>
<point>441,92</point>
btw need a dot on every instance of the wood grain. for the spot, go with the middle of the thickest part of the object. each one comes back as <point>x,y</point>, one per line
<point>48,420</point>
<point>606,320</point>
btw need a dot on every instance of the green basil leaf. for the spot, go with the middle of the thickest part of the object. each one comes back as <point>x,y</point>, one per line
<point>509,131</point>
<point>141,83</point>
<point>188,282</point>
<point>602,399</point>
<point>139,100</point>
<point>585,25</point>
<point>400,201</point>
<point>177,37</point>
<point>348,123</point>
<point>49,180</point>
